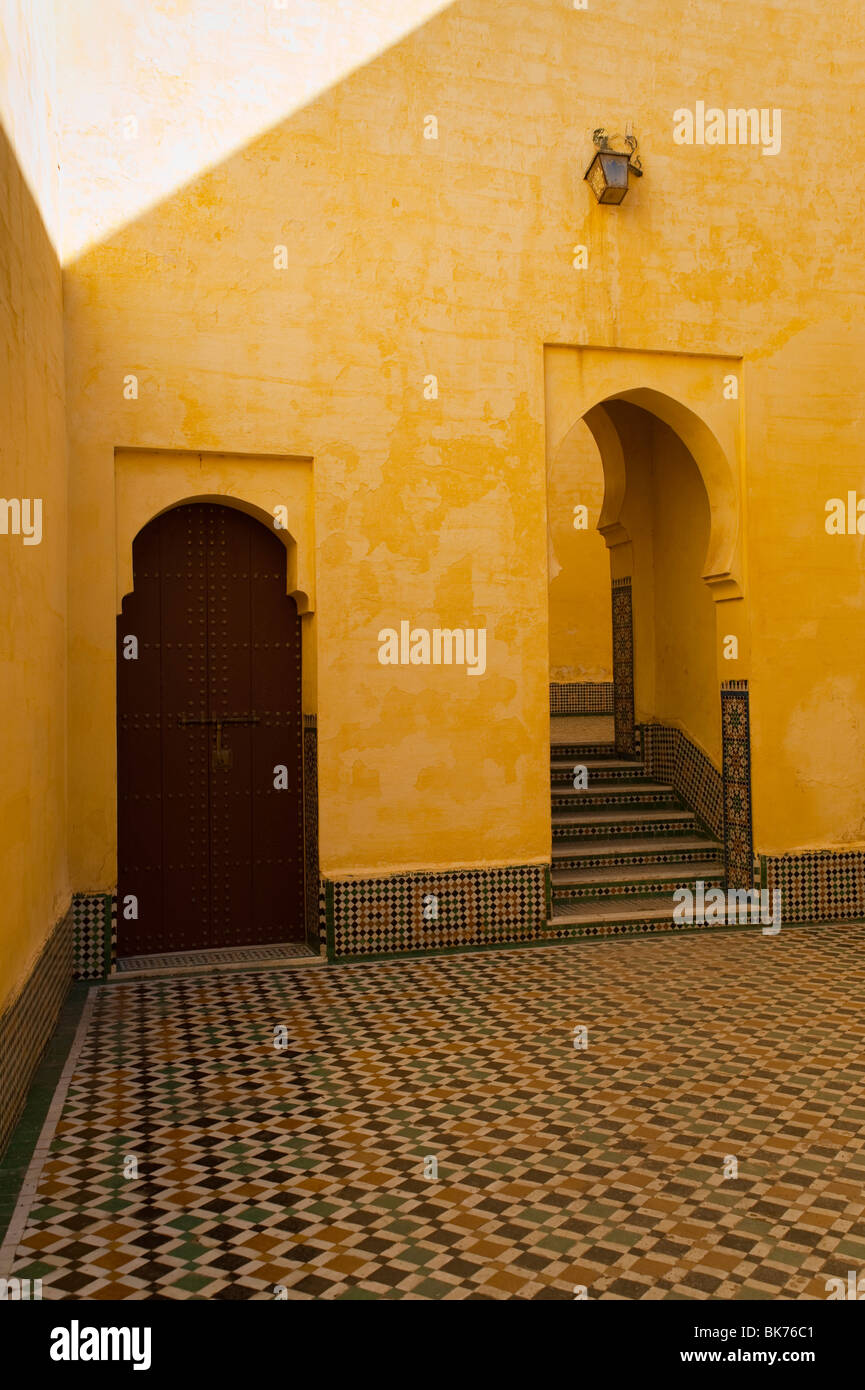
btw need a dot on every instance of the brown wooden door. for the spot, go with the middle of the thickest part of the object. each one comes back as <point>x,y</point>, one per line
<point>210,767</point>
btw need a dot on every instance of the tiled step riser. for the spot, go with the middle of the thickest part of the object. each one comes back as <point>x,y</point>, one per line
<point>571,893</point>
<point>631,829</point>
<point>565,776</point>
<point>580,751</point>
<point>636,928</point>
<point>607,799</point>
<point>633,859</point>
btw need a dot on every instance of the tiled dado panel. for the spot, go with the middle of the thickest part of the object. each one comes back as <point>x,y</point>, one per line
<point>94,918</point>
<point>310,831</point>
<point>623,666</point>
<point>821,886</point>
<point>736,753</point>
<point>428,912</point>
<point>582,697</point>
<point>27,1024</point>
<point>670,756</point>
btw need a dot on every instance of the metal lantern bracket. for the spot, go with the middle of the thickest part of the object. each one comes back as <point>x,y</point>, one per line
<point>605,142</point>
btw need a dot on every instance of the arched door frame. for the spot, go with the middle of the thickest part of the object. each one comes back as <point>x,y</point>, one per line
<point>308,722</point>
<point>580,383</point>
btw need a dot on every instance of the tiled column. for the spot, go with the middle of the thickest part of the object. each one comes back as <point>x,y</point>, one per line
<point>310,830</point>
<point>623,666</point>
<point>736,747</point>
<point>94,917</point>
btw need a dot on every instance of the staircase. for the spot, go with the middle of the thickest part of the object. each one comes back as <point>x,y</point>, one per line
<point>621,846</point>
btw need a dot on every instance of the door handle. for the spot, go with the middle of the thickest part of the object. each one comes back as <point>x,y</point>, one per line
<point>221,758</point>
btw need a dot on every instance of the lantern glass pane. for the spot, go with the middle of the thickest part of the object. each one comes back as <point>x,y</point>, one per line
<point>615,170</point>
<point>596,179</point>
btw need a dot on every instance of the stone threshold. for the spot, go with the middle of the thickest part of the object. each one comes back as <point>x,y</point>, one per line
<point>277,956</point>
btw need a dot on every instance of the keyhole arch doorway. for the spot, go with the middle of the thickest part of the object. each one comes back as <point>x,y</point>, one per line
<point>209,737</point>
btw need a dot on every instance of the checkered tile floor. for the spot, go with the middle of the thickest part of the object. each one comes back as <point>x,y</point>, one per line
<point>557,1166</point>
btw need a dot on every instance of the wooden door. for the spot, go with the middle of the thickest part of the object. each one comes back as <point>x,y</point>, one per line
<point>210,765</point>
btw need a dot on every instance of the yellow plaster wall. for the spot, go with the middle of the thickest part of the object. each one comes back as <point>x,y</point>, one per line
<point>32,465</point>
<point>686,658</point>
<point>808,629</point>
<point>454,257</point>
<point>636,557</point>
<point>580,621</point>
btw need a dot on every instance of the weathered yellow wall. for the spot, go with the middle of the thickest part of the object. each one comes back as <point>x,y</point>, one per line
<point>686,661</point>
<point>32,465</point>
<point>580,619</point>
<point>808,706</point>
<point>455,257</point>
<point>637,558</point>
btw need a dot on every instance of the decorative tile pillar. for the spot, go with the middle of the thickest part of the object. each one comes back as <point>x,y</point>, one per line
<point>623,666</point>
<point>736,752</point>
<point>310,830</point>
<point>94,935</point>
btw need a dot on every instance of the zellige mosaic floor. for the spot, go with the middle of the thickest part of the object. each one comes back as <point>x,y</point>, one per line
<point>307,1167</point>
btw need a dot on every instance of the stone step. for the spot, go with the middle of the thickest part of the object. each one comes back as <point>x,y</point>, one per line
<point>596,764</point>
<point>605,817</point>
<point>652,849</point>
<point>570,885</point>
<point>599,824</point>
<point>614,911</point>
<point>569,800</point>
<point>581,751</point>
<point>614,792</point>
<point>562,771</point>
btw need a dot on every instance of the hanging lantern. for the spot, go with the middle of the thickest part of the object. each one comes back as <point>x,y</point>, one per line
<point>609,171</point>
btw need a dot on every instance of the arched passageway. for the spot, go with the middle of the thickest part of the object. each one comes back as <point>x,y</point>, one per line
<point>661,540</point>
<point>669,543</point>
<point>641,803</point>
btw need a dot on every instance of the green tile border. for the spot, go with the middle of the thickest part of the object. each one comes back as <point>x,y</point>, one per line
<point>16,1159</point>
<point>107,935</point>
<point>329,925</point>
<point>28,1021</point>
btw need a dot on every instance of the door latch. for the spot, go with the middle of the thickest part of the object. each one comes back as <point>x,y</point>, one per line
<point>221,758</point>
